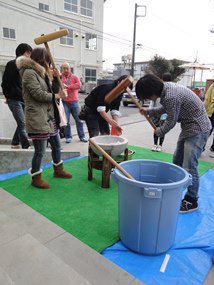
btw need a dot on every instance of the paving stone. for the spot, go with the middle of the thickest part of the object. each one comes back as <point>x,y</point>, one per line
<point>28,262</point>
<point>89,263</point>
<point>34,223</point>
<point>9,230</point>
<point>5,279</point>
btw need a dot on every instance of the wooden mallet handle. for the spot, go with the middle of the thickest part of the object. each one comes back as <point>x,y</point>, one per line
<point>53,65</point>
<point>139,106</point>
<point>101,151</point>
<point>44,39</point>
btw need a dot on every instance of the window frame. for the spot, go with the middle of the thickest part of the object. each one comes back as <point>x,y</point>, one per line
<point>69,11</point>
<point>91,76</point>
<point>88,41</point>
<point>86,8</point>
<point>9,32</point>
<point>67,37</point>
<point>44,6</point>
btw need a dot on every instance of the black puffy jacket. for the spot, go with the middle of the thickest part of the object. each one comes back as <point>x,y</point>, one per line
<point>12,82</point>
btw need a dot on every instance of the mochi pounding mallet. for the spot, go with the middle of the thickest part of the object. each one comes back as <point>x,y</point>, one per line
<point>44,39</point>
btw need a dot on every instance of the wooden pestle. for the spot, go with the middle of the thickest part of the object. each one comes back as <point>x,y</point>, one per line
<point>139,106</point>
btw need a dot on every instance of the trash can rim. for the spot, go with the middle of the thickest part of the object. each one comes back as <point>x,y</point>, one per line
<point>153,185</point>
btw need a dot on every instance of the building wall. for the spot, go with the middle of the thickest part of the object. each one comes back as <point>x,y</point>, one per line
<point>29,22</point>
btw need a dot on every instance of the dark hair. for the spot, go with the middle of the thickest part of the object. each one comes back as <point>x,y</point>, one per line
<point>167,77</point>
<point>148,85</point>
<point>118,80</point>
<point>22,48</point>
<point>41,56</point>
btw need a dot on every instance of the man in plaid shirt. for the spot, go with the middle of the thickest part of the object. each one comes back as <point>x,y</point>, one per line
<point>184,107</point>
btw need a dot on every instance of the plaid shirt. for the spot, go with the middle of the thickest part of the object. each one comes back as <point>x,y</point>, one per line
<point>183,106</point>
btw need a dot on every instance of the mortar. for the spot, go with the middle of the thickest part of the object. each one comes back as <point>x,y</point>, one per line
<point>114,145</point>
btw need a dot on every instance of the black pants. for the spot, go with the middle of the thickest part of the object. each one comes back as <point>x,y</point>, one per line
<point>96,124</point>
<point>161,139</point>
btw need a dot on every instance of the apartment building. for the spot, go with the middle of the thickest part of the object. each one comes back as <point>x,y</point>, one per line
<point>22,21</point>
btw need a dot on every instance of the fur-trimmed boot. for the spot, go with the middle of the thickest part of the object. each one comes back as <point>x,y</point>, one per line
<point>59,171</point>
<point>37,180</point>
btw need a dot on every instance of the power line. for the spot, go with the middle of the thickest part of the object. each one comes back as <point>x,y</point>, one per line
<point>72,20</point>
<point>6,5</point>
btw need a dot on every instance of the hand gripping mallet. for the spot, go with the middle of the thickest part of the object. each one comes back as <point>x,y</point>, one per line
<point>139,106</point>
<point>44,39</point>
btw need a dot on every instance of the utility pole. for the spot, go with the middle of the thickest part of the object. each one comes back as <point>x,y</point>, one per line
<point>134,36</point>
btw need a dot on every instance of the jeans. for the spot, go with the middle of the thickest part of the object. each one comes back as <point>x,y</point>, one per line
<point>187,154</point>
<point>20,135</point>
<point>40,147</point>
<point>212,122</point>
<point>74,109</point>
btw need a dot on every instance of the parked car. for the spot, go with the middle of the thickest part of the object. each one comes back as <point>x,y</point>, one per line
<point>127,100</point>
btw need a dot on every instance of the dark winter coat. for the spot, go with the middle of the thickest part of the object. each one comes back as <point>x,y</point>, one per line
<point>40,107</point>
<point>12,82</point>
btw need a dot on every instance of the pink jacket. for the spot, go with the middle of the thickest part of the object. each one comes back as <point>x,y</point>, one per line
<point>73,85</point>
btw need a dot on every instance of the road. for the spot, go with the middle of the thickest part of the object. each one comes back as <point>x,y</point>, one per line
<point>126,112</point>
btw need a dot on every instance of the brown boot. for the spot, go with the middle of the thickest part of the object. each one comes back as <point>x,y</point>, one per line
<point>59,171</point>
<point>37,180</point>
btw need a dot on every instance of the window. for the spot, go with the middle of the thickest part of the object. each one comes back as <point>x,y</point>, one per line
<point>9,33</point>
<point>86,8</point>
<point>91,41</point>
<point>90,75</point>
<point>69,39</point>
<point>71,6</point>
<point>43,7</point>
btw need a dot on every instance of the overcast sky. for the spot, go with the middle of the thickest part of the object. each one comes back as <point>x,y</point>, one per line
<point>172,29</point>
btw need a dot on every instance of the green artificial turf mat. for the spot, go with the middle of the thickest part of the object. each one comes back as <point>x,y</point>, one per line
<point>79,206</point>
<point>145,153</point>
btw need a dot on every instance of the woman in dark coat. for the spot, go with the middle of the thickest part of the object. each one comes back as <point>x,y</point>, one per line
<point>40,90</point>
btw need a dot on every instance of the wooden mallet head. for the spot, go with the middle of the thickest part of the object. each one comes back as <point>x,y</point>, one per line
<point>50,37</point>
<point>114,93</point>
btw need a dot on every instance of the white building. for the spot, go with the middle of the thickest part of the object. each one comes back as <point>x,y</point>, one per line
<point>22,21</point>
<point>141,67</point>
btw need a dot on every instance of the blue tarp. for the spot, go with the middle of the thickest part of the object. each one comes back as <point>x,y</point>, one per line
<point>9,175</point>
<point>191,254</point>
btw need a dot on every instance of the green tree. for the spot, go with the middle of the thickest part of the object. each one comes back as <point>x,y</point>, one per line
<point>175,70</point>
<point>158,65</point>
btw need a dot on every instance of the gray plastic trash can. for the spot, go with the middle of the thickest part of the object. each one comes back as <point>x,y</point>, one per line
<point>149,206</point>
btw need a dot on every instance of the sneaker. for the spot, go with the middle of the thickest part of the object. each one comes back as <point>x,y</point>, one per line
<point>211,154</point>
<point>15,146</point>
<point>187,207</point>
<point>159,148</point>
<point>211,149</point>
<point>154,148</point>
<point>85,140</point>
<point>69,140</point>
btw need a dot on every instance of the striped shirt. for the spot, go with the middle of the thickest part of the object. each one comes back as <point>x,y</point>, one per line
<point>45,136</point>
<point>182,106</point>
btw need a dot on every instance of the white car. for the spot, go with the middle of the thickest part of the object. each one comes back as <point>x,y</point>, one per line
<point>127,100</point>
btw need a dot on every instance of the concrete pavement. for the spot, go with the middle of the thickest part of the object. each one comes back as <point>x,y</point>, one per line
<point>33,250</point>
